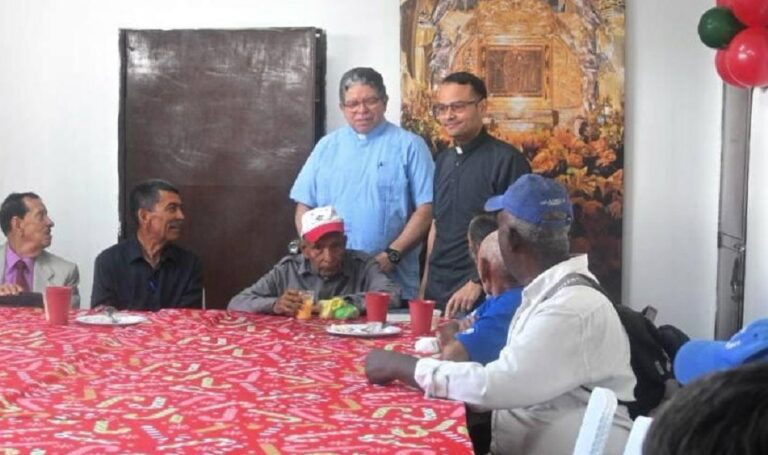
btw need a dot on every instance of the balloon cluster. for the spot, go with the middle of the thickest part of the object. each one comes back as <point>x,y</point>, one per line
<point>738,29</point>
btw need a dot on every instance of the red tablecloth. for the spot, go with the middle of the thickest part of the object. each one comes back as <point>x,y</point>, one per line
<point>208,382</point>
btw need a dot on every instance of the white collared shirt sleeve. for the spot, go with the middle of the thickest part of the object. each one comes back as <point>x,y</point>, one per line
<point>556,349</point>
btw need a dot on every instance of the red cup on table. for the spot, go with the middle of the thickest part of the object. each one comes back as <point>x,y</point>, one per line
<point>376,306</point>
<point>57,301</point>
<point>421,316</point>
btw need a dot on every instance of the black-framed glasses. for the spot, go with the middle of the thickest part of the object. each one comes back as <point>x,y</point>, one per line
<point>369,103</point>
<point>457,107</point>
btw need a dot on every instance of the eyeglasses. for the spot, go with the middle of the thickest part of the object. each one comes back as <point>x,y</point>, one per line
<point>457,107</point>
<point>367,102</point>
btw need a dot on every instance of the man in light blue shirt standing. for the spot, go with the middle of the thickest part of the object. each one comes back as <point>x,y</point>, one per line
<point>377,176</point>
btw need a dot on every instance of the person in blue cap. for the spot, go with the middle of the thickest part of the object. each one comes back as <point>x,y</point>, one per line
<point>562,343</point>
<point>720,413</point>
<point>698,358</point>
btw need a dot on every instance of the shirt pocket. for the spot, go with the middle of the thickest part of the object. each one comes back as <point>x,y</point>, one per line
<point>391,183</point>
<point>393,191</point>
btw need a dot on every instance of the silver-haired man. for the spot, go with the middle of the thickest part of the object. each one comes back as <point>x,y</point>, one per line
<point>377,176</point>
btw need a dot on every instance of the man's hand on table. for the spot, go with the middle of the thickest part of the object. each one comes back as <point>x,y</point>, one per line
<point>288,303</point>
<point>463,299</point>
<point>382,367</point>
<point>10,289</point>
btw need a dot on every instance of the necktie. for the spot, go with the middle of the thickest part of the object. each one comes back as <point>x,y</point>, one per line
<point>21,275</point>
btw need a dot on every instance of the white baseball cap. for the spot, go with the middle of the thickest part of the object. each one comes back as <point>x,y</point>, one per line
<point>319,221</point>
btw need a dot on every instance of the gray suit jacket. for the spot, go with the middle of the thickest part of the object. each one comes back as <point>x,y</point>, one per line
<point>51,270</point>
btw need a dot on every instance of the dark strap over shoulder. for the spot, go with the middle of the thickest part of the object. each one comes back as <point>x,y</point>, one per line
<point>575,279</point>
<point>650,363</point>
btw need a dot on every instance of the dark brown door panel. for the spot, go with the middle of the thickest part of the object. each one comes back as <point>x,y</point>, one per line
<point>229,116</point>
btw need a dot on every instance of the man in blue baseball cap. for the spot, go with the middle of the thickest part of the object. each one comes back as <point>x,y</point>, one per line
<point>698,358</point>
<point>564,340</point>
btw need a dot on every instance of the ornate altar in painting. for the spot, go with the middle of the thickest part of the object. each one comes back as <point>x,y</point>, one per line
<point>555,76</point>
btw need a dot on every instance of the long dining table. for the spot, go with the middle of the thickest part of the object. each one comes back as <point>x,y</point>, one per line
<point>208,381</point>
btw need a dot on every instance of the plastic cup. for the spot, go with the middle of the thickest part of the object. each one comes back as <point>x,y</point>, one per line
<point>58,300</point>
<point>421,316</point>
<point>376,306</point>
<point>307,302</point>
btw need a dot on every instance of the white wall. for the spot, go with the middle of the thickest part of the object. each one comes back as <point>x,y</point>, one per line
<point>756,280</point>
<point>59,106</point>
<point>59,86</point>
<point>672,169</point>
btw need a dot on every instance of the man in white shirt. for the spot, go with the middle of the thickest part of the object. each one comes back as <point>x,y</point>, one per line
<point>563,341</point>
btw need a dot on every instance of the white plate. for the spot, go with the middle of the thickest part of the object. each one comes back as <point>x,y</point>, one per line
<point>373,329</point>
<point>120,319</point>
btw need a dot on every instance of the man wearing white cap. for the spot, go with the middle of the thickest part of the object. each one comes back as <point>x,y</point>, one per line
<point>324,266</point>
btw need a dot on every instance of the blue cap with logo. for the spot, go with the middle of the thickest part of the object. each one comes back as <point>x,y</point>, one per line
<point>537,200</point>
<point>697,358</point>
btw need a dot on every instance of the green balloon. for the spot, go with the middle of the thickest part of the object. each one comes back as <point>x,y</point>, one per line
<point>718,26</point>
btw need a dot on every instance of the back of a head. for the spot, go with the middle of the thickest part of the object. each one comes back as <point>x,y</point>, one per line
<point>479,228</point>
<point>721,414</point>
<point>490,252</point>
<point>365,76</point>
<point>146,194</point>
<point>12,206</point>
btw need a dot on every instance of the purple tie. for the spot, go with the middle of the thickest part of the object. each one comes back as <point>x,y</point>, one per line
<point>21,275</point>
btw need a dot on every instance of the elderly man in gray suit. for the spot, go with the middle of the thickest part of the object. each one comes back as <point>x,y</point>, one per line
<point>26,266</point>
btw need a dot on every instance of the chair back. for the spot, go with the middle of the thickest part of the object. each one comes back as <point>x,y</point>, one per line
<point>637,435</point>
<point>596,426</point>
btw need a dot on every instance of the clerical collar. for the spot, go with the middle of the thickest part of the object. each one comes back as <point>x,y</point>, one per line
<point>470,146</point>
<point>376,131</point>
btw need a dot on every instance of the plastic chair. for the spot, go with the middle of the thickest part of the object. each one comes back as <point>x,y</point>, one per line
<point>596,426</point>
<point>637,435</point>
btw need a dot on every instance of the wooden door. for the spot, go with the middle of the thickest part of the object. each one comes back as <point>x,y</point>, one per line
<point>229,116</point>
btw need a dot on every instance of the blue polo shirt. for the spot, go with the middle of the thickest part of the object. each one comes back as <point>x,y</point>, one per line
<point>485,339</point>
<point>375,181</point>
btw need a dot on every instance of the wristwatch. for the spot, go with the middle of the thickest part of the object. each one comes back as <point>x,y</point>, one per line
<point>476,280</point>
<point>393,255</point>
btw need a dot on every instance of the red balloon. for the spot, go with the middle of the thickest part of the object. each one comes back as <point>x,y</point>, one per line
<point>750,12</point>
<point>724,72</point>
<point>746,57</point>
<point>724,3</point>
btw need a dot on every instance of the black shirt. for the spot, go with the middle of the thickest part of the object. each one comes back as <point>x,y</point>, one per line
<point>124,279</point>
<point>463,183</point>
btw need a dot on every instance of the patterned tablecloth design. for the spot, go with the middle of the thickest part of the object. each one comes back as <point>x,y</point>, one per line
<point>208,382</point>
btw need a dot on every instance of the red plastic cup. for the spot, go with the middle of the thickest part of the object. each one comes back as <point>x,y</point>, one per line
<point>421,316</point>
<point>376,306</point>
<point>58,299</point>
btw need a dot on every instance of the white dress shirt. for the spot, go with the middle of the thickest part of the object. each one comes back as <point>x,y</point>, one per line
<point>555,349</point>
